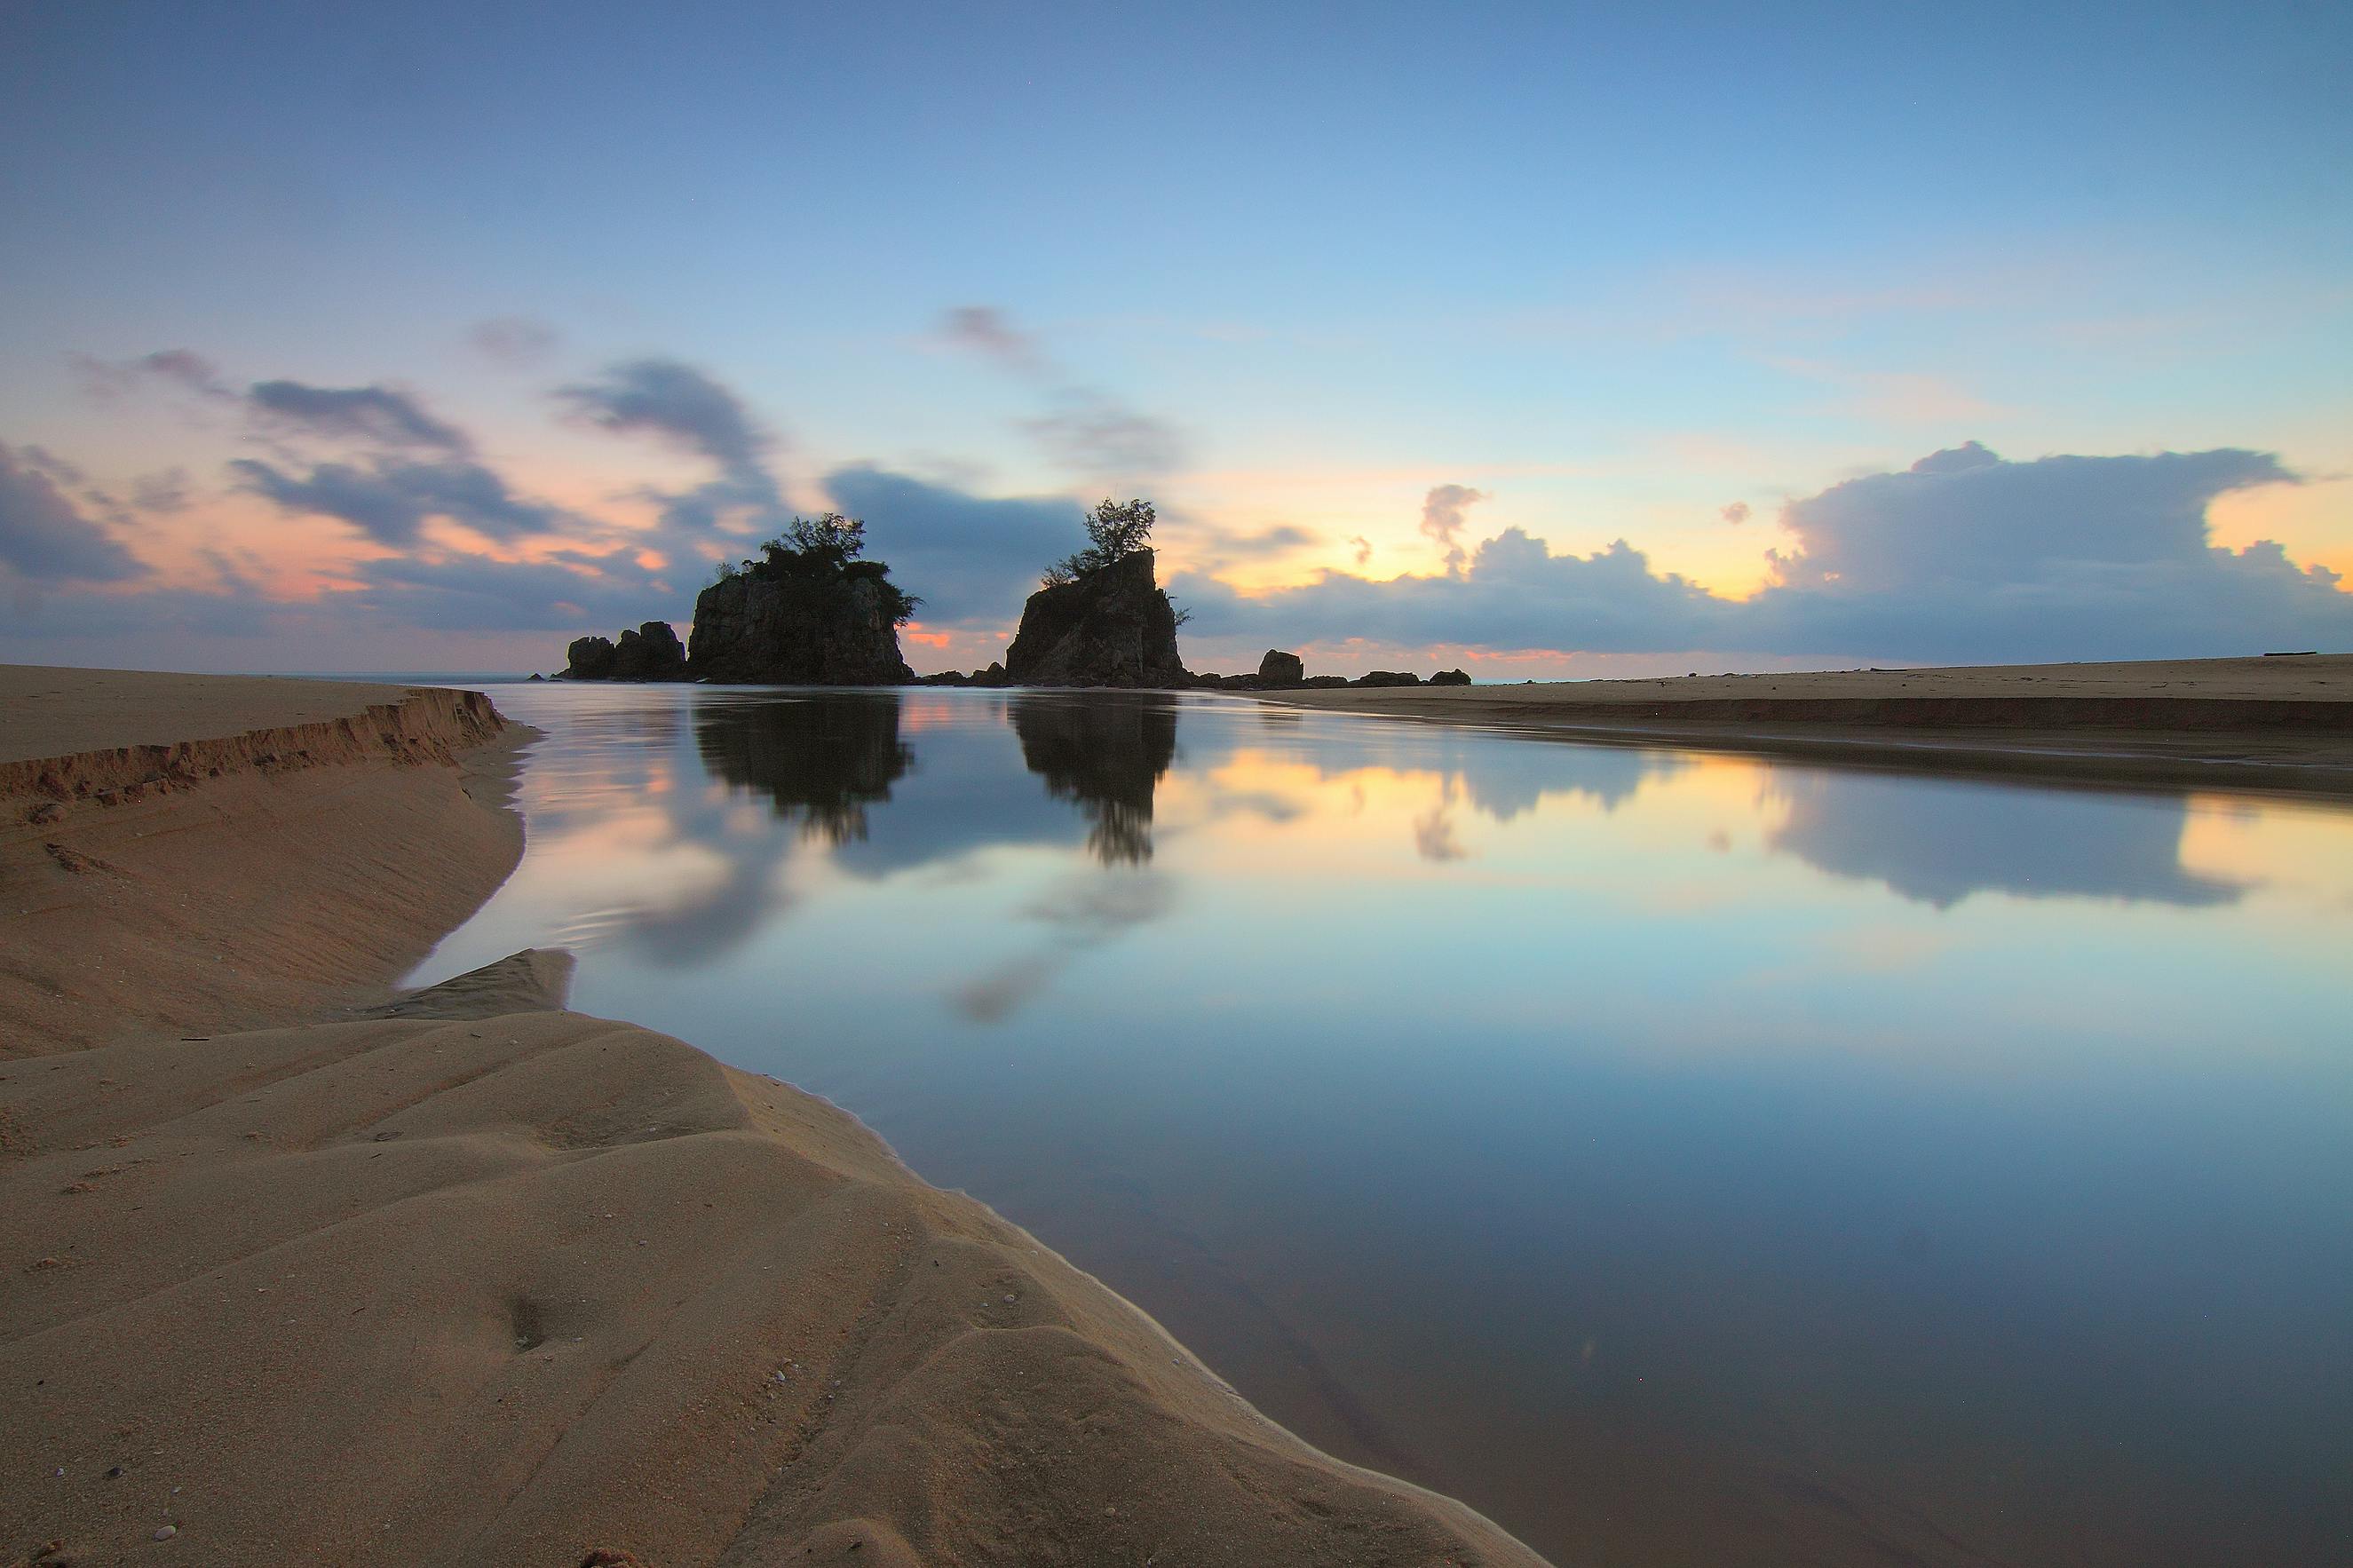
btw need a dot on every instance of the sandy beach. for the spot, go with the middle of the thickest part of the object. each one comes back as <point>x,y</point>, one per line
<point>2266,723</point>
<point>302,1272</point>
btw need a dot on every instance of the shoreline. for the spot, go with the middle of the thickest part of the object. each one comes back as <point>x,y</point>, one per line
<point>2254,725</point>
<point>455,1275</point>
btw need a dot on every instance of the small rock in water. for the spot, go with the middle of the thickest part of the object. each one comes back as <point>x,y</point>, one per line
<point>165,1531</point>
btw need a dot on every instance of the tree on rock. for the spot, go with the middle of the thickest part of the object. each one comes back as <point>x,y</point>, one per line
<point>809,610</point>
<point>1116,529</point>
<point>1101,618</point>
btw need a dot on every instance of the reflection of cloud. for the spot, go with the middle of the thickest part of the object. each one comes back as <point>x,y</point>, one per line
<point>1433,836</point>
<point>1939,841</point>
<point>1080,913</point>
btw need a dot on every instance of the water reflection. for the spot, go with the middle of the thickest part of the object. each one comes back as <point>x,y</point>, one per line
<point>1682,1158</point>
<point>1939,841</point>
<point>820,763</point>
<point>1107,752</point>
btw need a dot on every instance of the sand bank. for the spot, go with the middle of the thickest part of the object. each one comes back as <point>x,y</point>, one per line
<point>2278,723</point>
<point>462,1278</point>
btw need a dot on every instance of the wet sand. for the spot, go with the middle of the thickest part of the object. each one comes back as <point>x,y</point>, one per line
<point>2266,723</point>
<point>302,1272</point>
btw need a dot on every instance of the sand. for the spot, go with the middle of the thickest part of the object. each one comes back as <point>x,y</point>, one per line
<point>463,1278</point>
<point>2269,724</point>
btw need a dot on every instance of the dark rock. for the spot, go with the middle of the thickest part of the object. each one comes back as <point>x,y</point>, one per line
<point>1386,677</point>
<point>588,658</point>
<point>945,678</point>
<point>1112,626</point>
<point>1451,678</point>
<point>536,676</point>
<point>1279,670</point>
<point>798,631</point>
<point>652,652</point>
<point>1323,682</point>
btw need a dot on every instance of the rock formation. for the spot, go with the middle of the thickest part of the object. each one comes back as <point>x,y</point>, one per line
<point>588,658</point>
<point>652,652</point>
<point>798,631</point>
<point>1279,670</point>
<point>1386,677</point>
<point>1451,678</point>
<point>1110,626</point>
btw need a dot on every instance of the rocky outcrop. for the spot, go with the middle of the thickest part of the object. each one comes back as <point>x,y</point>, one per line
<point>652,652</point>
<point>798,631</point>
<point>1112,627</point>
<point>1386,677</point>
<point>588,658</point>
<point>1451,678</point>
<point>1279,670</point>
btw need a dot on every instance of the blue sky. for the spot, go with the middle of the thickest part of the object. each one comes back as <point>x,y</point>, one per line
<point>1289,270</point>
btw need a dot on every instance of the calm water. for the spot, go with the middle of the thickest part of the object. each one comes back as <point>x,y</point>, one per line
<point>1684,1159</point>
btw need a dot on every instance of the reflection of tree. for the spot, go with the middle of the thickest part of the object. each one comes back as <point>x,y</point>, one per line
<point>1106,751</point>
<point>821,762</point>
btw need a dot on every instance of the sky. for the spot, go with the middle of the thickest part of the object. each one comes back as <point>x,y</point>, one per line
<point>1539,341</point>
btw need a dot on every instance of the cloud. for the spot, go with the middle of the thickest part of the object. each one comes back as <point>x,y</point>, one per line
<point>166,491</point>
<point>44,536</point>
<point>108,381</point>
<point>1736,513</point>
<point>1217,547</point>
<point>984,329</point>
<point>688,410</point>
<point>1364,548</point>
<point>976,558</point>
<point>372,413</point>
<point>518,343</point>
<point>1093,434</point>
<point>1963,557</point>
<point>389,499</point>
<point>1085,428</point>
<point>1443,514</point>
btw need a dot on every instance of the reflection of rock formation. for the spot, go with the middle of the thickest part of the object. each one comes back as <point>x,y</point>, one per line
<point>821,762</point>
<point>1107,752</point>
<point>1939,841</point>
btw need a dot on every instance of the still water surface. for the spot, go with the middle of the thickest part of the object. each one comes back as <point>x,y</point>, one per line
<point>1684,1159</point>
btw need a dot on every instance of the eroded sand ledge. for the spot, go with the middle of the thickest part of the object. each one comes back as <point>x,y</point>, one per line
<point>465,1285</point>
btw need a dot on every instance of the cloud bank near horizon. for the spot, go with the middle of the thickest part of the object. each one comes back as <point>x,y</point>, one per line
<point>1964,556</point>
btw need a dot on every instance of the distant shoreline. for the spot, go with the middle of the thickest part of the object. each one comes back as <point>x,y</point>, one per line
<point>2265,724</point>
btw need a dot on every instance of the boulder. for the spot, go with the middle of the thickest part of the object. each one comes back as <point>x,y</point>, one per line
<point>1112,626</point>
<point>1279,670</point>
<point>1451,678</point>
<point>796,631</point>
<point>1323,682</point>
<point>1386,677</point>
<point>588,658</point>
